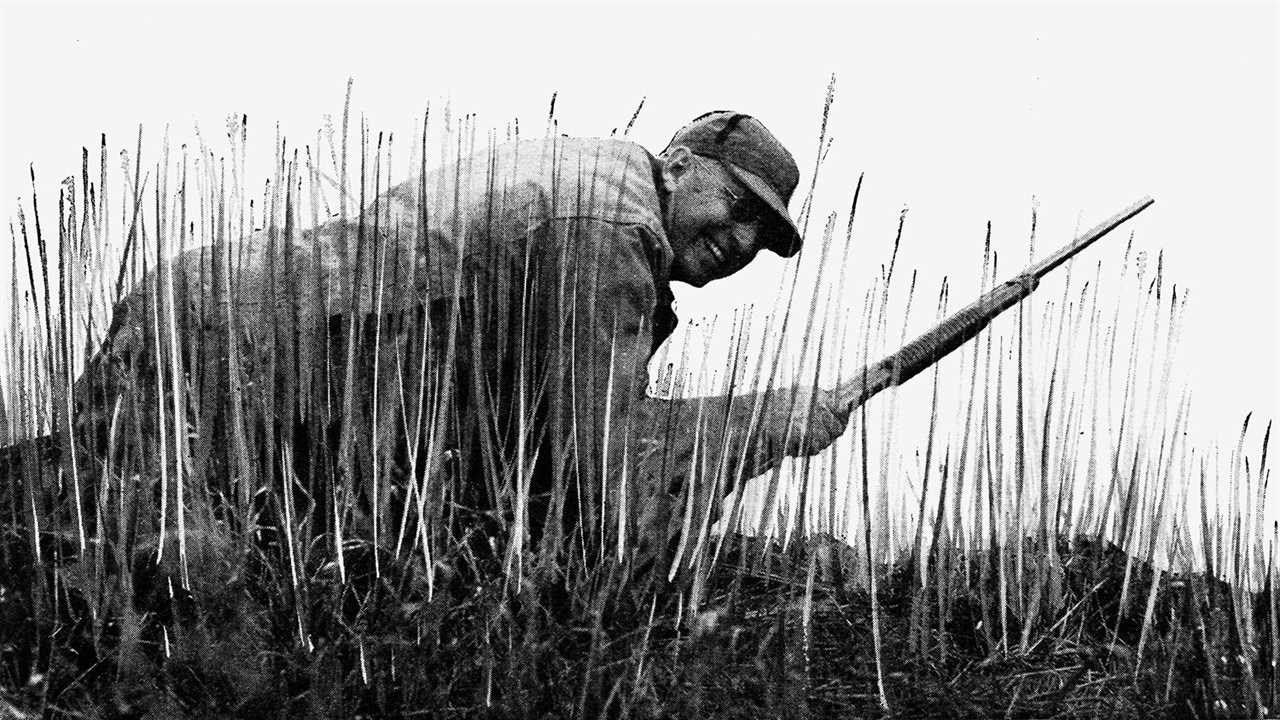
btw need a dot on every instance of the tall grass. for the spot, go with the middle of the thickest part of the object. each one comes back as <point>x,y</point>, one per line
<point>256,484</point>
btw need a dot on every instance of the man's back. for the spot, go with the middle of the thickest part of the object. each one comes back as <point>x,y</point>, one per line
<point>281,292</point>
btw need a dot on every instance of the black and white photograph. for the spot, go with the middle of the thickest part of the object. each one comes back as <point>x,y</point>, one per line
<point>639,360</point>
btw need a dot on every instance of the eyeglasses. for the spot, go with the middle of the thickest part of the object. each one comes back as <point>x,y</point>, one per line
<point>742,208</point>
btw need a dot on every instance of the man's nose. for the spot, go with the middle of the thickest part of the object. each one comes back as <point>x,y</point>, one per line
<point>743,240</point>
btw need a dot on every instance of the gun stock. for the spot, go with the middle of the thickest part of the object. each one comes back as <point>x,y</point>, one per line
<point>958,329</point>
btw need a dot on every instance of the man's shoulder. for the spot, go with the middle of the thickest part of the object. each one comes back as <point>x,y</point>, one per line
<point>512,192</point>
<point>565,148</point>
<point>533,182</point>
<point>607,179</point>
<point>604,178</point>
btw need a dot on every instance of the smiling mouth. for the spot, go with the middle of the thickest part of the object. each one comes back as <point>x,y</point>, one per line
<point>716,251</point>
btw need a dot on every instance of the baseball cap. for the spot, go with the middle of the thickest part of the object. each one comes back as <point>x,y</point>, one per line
<point>756,159</point>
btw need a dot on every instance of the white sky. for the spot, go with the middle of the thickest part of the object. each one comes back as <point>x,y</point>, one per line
<point>960,112</point>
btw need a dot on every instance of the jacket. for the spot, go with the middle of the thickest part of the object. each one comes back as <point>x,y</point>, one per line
<point>527,284</point>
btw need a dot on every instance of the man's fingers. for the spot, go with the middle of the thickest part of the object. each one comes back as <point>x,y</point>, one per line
<point>840,410</point>
<point>812,425</point>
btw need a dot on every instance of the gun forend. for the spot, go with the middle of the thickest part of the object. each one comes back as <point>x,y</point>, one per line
<point>958,329</point>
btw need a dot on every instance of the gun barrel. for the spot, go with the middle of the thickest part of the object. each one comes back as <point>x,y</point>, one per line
<point>958,329</point>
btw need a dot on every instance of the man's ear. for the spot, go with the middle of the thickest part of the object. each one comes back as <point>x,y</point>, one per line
<point>676,162</point>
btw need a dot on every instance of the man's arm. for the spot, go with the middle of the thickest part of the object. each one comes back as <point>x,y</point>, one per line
<point>639,451</point>
<point>743,436</point>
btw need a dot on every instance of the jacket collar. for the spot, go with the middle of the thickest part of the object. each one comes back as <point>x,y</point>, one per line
<point>656,166</point>
<point>664,316</point>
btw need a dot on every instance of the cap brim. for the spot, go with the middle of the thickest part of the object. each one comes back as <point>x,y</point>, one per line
<point>784,236</point>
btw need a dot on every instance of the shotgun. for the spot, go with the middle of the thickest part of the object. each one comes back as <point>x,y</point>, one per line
<point>958,329</point>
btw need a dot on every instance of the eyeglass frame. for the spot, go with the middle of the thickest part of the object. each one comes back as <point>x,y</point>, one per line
<point>743,209</point>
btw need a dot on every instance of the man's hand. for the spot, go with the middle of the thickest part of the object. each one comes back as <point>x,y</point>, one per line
<point>799,422</point>
<point>795,422</point>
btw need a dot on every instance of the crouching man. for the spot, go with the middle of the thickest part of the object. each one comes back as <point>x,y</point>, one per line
<point>475,346</point>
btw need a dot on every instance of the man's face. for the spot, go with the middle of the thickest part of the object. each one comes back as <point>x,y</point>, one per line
<point>708,241</point>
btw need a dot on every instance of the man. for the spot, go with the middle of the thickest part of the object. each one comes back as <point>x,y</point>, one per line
<point>486,327</point>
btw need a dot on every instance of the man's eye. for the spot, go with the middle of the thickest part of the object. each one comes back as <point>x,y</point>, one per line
<point>745,211</point>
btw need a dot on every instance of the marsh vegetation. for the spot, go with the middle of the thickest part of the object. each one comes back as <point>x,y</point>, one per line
<point>265,521</point>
